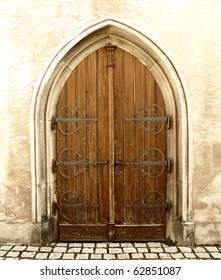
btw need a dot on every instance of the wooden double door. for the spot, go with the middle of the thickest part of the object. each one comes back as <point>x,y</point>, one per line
<point>111,164</point>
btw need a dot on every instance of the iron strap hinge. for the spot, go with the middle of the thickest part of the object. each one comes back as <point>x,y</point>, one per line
<point>55,121</point>
<point>55,163</point>
<point>149,163</point>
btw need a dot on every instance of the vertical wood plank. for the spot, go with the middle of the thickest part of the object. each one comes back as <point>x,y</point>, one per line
<point>81,143</point>
<point>161,143</point>
<point>119,102</point>
<point>92,139</point>
<point>103,134</point>
<point>139,139</point>
<point>129,138</point>
<point>110,64</point>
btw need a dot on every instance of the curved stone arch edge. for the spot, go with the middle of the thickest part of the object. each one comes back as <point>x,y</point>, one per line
<point>174,91</point>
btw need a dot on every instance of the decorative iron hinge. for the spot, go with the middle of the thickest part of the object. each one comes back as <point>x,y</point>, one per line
<point>152,119</point>
<point>71,120</point>
<point>77,163</point>
<point>148,163</point>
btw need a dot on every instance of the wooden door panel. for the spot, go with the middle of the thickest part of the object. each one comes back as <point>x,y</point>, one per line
<point>147,232</point>
<point>139,192</point>
<point>82,145</point>
<point>87,124</point>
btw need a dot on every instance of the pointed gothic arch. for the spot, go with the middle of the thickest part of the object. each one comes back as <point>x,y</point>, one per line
<point>46,94</point>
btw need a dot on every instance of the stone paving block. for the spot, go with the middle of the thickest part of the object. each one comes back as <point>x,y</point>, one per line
<point>45,249</point>
<point>177,256</point>
<point>189,255</point>
<point>52,243</point>
<point>203,255</point>
<point>89,245</point>
<point>5,247</point>
<point>55,256</point>
<point>115,250</point>
<point>154,244</point>
<point>170,249</point>
<point>199,250</point>
<point>151,256</point>
<point>127,245</point>
<point>140,245</point>
<point>96,256</point>
<point>62,244</point>
<point>109,256</point>
<point>123,256</point>
<point>142,250</point>
<point>106,250</point>
<point>11,258</point>
<point>88,250</point>
<point>165,256</point>
<point>212,249</point>
<point>82,257</point>
<point>156,250</point>
<point>101,245</point>
<point>137,256</point>
<point>114,244</point>
<point>3,253</point>
<point>41,256</point>
<point>28,255</point>
<point>19,248</point>
<point>13,254</point>
<point>73,245</point>
<point>101,251</point>
<point>130,250</point>
<point>2,258</point>
<point>216,255</point>
<point>74,250</point>
<point>185,249</point>
<point>68,256</point>
<point>32,248</point>
<point>60,249</point>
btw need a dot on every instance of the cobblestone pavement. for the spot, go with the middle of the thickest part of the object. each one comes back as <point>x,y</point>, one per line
<point>108,251</point>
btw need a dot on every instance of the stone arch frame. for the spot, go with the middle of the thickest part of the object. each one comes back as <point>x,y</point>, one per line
<point>180,226</point>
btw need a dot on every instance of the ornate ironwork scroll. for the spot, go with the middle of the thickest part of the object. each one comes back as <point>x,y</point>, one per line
<point>71,208</point>
<point>70,163</point>
<point>153,206</point>
<point>153,163</point>
<point>70,120</point>
<point>152,119</point>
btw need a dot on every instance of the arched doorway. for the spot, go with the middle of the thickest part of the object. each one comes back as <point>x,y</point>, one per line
<point>111,161</point>
<point>178,224</point>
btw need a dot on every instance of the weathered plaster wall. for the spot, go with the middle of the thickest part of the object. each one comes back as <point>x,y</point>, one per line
<point>188,31</point>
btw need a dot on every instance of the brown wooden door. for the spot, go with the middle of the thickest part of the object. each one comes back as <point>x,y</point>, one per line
<point>111,151</point>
